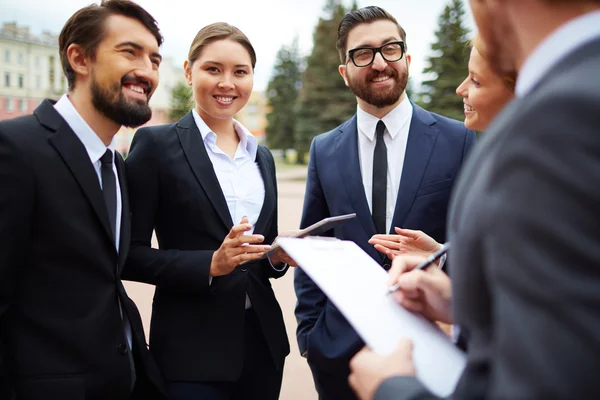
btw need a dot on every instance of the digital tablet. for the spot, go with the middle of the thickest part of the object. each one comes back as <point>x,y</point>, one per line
<point>315,229</point>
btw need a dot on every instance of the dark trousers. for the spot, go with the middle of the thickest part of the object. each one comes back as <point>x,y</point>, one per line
<point>260,379</point>
<point>332,386</point>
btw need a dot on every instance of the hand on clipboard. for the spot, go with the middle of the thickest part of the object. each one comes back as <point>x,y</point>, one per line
<point>315,229</point>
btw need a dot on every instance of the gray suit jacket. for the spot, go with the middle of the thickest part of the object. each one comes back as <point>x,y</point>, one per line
<point>525,228</point>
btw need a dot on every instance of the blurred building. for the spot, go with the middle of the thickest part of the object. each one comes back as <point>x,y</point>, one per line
<point>254,115</point>
<point>30,70</point>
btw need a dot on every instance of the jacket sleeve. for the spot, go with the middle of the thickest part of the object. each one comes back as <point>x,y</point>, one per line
<point>17,203</point>
<point>311,300</point>
<point>273,231</point>
<point>180,270</point>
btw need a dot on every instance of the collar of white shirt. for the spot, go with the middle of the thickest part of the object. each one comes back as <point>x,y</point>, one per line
<point>93,144</point>
<point>556,47</point>
<point>247,140</point>
<point>394,120</point>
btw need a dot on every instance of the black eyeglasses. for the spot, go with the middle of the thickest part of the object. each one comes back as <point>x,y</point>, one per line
<point>364,56</point>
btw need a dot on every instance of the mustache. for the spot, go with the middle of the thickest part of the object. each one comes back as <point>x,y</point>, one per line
<point>391,72</point>
<point>138,82</point>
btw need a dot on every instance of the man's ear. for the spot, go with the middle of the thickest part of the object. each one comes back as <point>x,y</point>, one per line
<point>80,62</point>
<point>342,69</point>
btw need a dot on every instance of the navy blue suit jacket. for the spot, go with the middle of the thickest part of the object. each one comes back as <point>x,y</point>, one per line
<point>436,149</point>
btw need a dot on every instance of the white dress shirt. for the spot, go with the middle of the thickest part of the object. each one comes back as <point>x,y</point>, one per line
<point>556,47</point>
<point>397,124</point>
<point>239,177</point>
<point>95,149</point>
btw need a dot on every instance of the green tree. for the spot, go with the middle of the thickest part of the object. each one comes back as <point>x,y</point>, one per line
<point>324,100</point>
<point>181,100</point>
<point>282,93</point>
<point>448,64</point>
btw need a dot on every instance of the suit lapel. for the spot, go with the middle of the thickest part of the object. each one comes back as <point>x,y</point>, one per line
<point>73,153</point>
<point>196,155</point>
<point>421,140</point>
<point>125,218</point>
<point>268,207</point>
<point>347,160</point>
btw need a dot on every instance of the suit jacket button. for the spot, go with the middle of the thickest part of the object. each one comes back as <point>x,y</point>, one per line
<point>386,266</point>
<point>244,269</point>
<point>123,348</point>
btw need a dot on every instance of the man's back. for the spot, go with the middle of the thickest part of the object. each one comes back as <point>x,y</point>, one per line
<point>525,228</point>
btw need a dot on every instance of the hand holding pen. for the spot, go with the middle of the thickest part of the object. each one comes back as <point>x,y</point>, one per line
<point>426,292</point>
<point>428,261</point>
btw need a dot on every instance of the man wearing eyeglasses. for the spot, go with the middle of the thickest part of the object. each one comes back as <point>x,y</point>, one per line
<point>392,163</point>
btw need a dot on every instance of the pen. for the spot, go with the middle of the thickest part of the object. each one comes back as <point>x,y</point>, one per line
<point>430,260</point>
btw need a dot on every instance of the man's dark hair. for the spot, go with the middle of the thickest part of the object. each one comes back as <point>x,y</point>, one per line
<point>362,16</point>
<point>87,29</point>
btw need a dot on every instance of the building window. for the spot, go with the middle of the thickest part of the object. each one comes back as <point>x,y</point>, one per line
<point>22,105</point>
<point>8,104</point>
<point>51,71</point>
<point>7,56</point>
<point>38,82</point>
<point>6,79</point>
<point>20,59</point>
<point>21,81</point>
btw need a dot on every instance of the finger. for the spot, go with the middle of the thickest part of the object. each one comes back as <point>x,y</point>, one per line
<point>428,281</point>
<point>392,238</point>
<point>352,381</point>
<point>412,305</point>
<point>358,358</point>
<point>246,257</point>
<point>238,230</point>
<point>250,249</point>
<point>243,240</point>
<point>244,220</point>
<point>401,264</point>
<point>382,249</point>
<point>387,243</point>
<point>408,233</point>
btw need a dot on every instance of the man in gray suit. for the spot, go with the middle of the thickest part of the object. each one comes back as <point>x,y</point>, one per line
<point>524,223</point>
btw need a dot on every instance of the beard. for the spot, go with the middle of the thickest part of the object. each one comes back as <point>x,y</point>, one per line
<point>379,98</point>
<point>129,113</point>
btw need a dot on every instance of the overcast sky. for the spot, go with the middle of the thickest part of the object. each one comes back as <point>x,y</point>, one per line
<point>269,24</point>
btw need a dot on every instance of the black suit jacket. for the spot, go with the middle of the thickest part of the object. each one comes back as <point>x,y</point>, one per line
<point>60,324</point>
<point>197,330</point>
<point>525,228</point>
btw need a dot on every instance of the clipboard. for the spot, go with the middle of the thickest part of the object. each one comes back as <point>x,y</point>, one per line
<point>358,287</point>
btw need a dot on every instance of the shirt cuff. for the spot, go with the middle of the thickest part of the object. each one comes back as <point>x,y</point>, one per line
<point>210,280</point>
<point>275,268</point>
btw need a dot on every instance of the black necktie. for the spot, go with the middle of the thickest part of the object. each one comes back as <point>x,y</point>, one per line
<point>109,188</point>
<point>379,192</point>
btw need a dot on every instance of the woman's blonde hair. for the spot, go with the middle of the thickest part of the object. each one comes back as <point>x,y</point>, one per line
<point>509,79</point>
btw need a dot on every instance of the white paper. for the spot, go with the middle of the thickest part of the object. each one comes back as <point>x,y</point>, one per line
<point>358,287</point>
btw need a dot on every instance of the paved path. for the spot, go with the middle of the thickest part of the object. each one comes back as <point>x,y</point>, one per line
<point>297,380</point>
